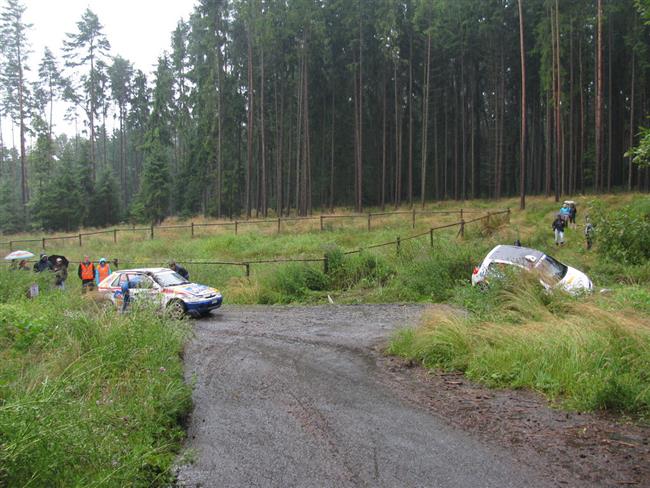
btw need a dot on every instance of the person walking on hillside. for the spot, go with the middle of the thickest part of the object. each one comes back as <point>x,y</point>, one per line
<point>42,264</point>
<point>102,271</point>
<point>180,270</point>
<point>565,213</point>
<point>558,227</point>
<point>589,233</point>
<point>60,273</point>
<point>86,272</point>
<point>573,212</point>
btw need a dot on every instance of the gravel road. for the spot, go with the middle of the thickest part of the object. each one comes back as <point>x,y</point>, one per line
<point>294,396</point>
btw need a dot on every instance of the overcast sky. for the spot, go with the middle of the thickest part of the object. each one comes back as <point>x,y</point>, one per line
<point>138,30</point>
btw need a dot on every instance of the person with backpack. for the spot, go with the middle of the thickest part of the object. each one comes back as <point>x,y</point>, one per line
<point>86,272</point>
<point>558,227</point>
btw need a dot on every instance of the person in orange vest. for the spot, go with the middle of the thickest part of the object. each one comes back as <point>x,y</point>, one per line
<point>102,271</point>
<point>86,273</point>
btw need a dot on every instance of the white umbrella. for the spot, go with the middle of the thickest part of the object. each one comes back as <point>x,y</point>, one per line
<point>19,255</point>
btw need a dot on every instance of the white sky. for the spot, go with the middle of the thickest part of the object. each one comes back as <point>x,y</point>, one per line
<point>138,30</point>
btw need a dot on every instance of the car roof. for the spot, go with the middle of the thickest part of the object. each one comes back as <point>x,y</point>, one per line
<point>143,270</point>
<point>513,254</point>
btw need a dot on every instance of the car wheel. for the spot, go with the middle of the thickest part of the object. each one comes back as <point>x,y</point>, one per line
<point>176,309</point>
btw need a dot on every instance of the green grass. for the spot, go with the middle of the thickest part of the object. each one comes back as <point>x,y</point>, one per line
<point>585,353</point>
<point>88,397</point>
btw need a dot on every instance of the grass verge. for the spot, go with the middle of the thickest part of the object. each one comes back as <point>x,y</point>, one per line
<point>88,397</point>
<point>585,353</point>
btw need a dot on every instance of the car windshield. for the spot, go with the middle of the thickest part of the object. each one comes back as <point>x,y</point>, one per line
<point>170,278</point>
<point>552,270</point>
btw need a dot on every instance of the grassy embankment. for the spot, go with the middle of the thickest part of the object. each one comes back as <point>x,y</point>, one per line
<point>585,353</point>
<point>87,397</point>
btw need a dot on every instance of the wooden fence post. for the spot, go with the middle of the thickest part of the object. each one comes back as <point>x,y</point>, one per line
<point>369,217</point>
<point>43,242</point>
<point>488,218</point>
<point>11,245</point>
<point>508,217</point>
<point>462,229</point>
<point>151,231</point>
<point>326,264</point>
<point>431,237</point>
<point>115,236</point>
<point>192,229</point>
<point>279,224</point>
<point>321,223</point>
<point>248,269</point>
<point>80,242</point>
<point>236,224</point>
<point>461,214</point>
<point>398,244</point>
<point>413,220</point>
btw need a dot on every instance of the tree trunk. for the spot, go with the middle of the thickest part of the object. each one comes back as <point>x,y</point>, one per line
<point>522,135</point>
<point>249,127</point>
<point>632,128</point>
<point>263,186</point>
<point>599,97</point>
<point>383,143</point>
<point>425,122</point>
<point>410,99</point>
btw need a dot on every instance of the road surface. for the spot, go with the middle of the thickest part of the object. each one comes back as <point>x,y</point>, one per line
<point>294,396</point>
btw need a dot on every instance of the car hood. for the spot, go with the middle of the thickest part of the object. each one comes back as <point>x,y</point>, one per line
<point>193,290</point>
<point>575,281</point>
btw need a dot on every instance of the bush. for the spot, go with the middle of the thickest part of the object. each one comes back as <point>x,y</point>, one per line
<point>293,283</point>
<point>623,234</point>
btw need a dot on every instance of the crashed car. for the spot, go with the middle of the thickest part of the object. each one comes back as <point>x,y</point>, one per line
<point>552,273</point>
<point>164,287</point>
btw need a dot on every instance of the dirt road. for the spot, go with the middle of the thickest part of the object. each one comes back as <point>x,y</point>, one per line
<point>296,397</point>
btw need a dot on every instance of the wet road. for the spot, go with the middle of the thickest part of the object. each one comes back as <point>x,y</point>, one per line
<point>293,396</point>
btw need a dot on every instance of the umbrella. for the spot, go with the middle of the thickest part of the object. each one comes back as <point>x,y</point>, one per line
<point>52,259</point>
<point>19,255</point>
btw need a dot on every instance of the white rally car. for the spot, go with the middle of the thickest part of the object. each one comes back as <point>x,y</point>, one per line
<point>552,273</point>
<point>164,287</point>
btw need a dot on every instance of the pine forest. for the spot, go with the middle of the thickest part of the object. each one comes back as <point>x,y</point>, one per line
<point>265,107</point>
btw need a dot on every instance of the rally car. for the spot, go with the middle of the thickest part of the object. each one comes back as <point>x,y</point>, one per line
<point>164,287</point>
<point>552,273</point>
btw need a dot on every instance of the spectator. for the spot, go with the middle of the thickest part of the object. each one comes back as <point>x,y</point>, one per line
<point>102,271</point>
<point>60,273</point>
<point>22,266</point>
<point>565,213</point>
<point>42,264</point>
<point>126,294</point>
<point>573,212</point>
<point>180,270</point>
<point>86,272</point>
<point>558,226</point>
<point>589,233</point>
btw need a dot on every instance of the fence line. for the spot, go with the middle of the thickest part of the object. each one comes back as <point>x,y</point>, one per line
<point>397,242</point>
<point>237,223</point>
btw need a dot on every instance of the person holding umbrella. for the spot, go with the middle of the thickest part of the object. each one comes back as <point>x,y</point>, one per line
<point>86,273</point>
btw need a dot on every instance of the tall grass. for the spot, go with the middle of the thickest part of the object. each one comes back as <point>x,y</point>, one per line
<point>88,397</point>
<point>573,350</point>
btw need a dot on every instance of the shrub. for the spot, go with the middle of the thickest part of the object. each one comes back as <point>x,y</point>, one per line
<point>623,234</point>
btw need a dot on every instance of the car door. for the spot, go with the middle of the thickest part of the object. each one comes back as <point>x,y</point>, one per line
<point>144,288</point>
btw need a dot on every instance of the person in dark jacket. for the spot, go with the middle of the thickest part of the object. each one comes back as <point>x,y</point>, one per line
<point>558,226</point>
<point>60,273</point>
<point>180,270</point>
<point>43,264</point>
